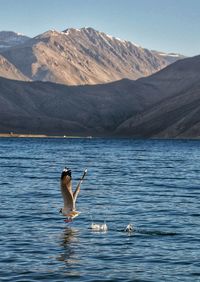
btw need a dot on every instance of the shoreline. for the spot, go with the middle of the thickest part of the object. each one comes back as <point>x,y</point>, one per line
<point>21,135</point>
<point>15,135</point>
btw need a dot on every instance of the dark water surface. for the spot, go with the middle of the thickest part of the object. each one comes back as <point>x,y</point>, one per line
<point>152,184</point>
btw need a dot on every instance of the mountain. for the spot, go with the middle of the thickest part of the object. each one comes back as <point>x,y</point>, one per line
<point>8,70</point>
<point>10,39</point>
<point>166,104</point>
<point>177,113</point>
<point>39,107</point>
<point>169,57</point>
<point>83,56</point>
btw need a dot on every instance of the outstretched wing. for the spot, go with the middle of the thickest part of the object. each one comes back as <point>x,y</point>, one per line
<point>75,195</point>
<point>66,190</point>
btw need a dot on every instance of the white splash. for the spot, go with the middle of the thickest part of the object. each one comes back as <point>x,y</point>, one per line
<point>99,227</point>
<point>129,228</point>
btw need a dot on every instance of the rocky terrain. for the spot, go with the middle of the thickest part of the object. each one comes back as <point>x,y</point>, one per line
<point>177,114</point>
<point>8,70</point>
<point>164,105</point>
<point>10,39</point>
<point>81,56</point>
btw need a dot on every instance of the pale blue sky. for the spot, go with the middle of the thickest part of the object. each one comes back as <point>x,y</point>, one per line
<point>165,25</point>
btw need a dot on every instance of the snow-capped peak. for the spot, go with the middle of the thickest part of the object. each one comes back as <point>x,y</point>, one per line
<point>170,55</point>
<point>9,39</point>
<point>70,30</point>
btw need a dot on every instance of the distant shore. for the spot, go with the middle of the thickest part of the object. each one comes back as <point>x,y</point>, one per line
<point>18,135</point>
<point>23,135</point>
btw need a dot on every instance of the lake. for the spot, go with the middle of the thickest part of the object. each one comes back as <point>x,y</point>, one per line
<point>152,184</point>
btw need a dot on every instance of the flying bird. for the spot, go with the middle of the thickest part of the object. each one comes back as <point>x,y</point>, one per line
<point>69,197</point>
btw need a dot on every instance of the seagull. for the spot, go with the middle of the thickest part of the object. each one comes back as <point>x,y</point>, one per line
<point>69,197</point>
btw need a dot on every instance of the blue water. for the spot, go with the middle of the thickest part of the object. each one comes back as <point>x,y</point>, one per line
<point>152,184</point>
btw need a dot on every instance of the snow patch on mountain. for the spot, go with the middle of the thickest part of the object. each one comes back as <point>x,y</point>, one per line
<point>170,55</point>
<point>10,39</point>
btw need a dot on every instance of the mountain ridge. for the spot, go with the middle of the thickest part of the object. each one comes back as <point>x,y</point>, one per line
<point>82,56</point>
<point>163,105</point>
<point>10,39</point>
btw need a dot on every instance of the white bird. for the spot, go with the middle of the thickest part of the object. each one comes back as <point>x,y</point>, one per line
<point>69,197</point>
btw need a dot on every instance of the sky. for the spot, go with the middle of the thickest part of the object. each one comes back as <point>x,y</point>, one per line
<point>163,25</point>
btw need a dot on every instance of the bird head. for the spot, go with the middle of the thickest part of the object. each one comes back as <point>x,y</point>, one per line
<point>66,172</point>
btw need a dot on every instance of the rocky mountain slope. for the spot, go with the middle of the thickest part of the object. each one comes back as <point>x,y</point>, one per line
<point>83,56</point>
<point>177,114</point>
<point>166,104</point>
<point>10,39</point>
<point>8,70</point>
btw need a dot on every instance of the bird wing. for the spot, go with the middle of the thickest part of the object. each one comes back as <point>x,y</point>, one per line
<point>66,190</point>
<point>75,194</point>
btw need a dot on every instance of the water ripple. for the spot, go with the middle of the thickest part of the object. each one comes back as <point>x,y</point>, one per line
<point>152,184</point>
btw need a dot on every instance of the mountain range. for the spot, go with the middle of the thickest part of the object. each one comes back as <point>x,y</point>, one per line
<point>163,105</point>
<point>11,39</point>
<point>77,57</point>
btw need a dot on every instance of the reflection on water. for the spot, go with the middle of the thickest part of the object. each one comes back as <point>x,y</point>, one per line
<point>68,239</point>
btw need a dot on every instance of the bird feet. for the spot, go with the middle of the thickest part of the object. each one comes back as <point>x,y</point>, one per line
<point>68,220</point>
